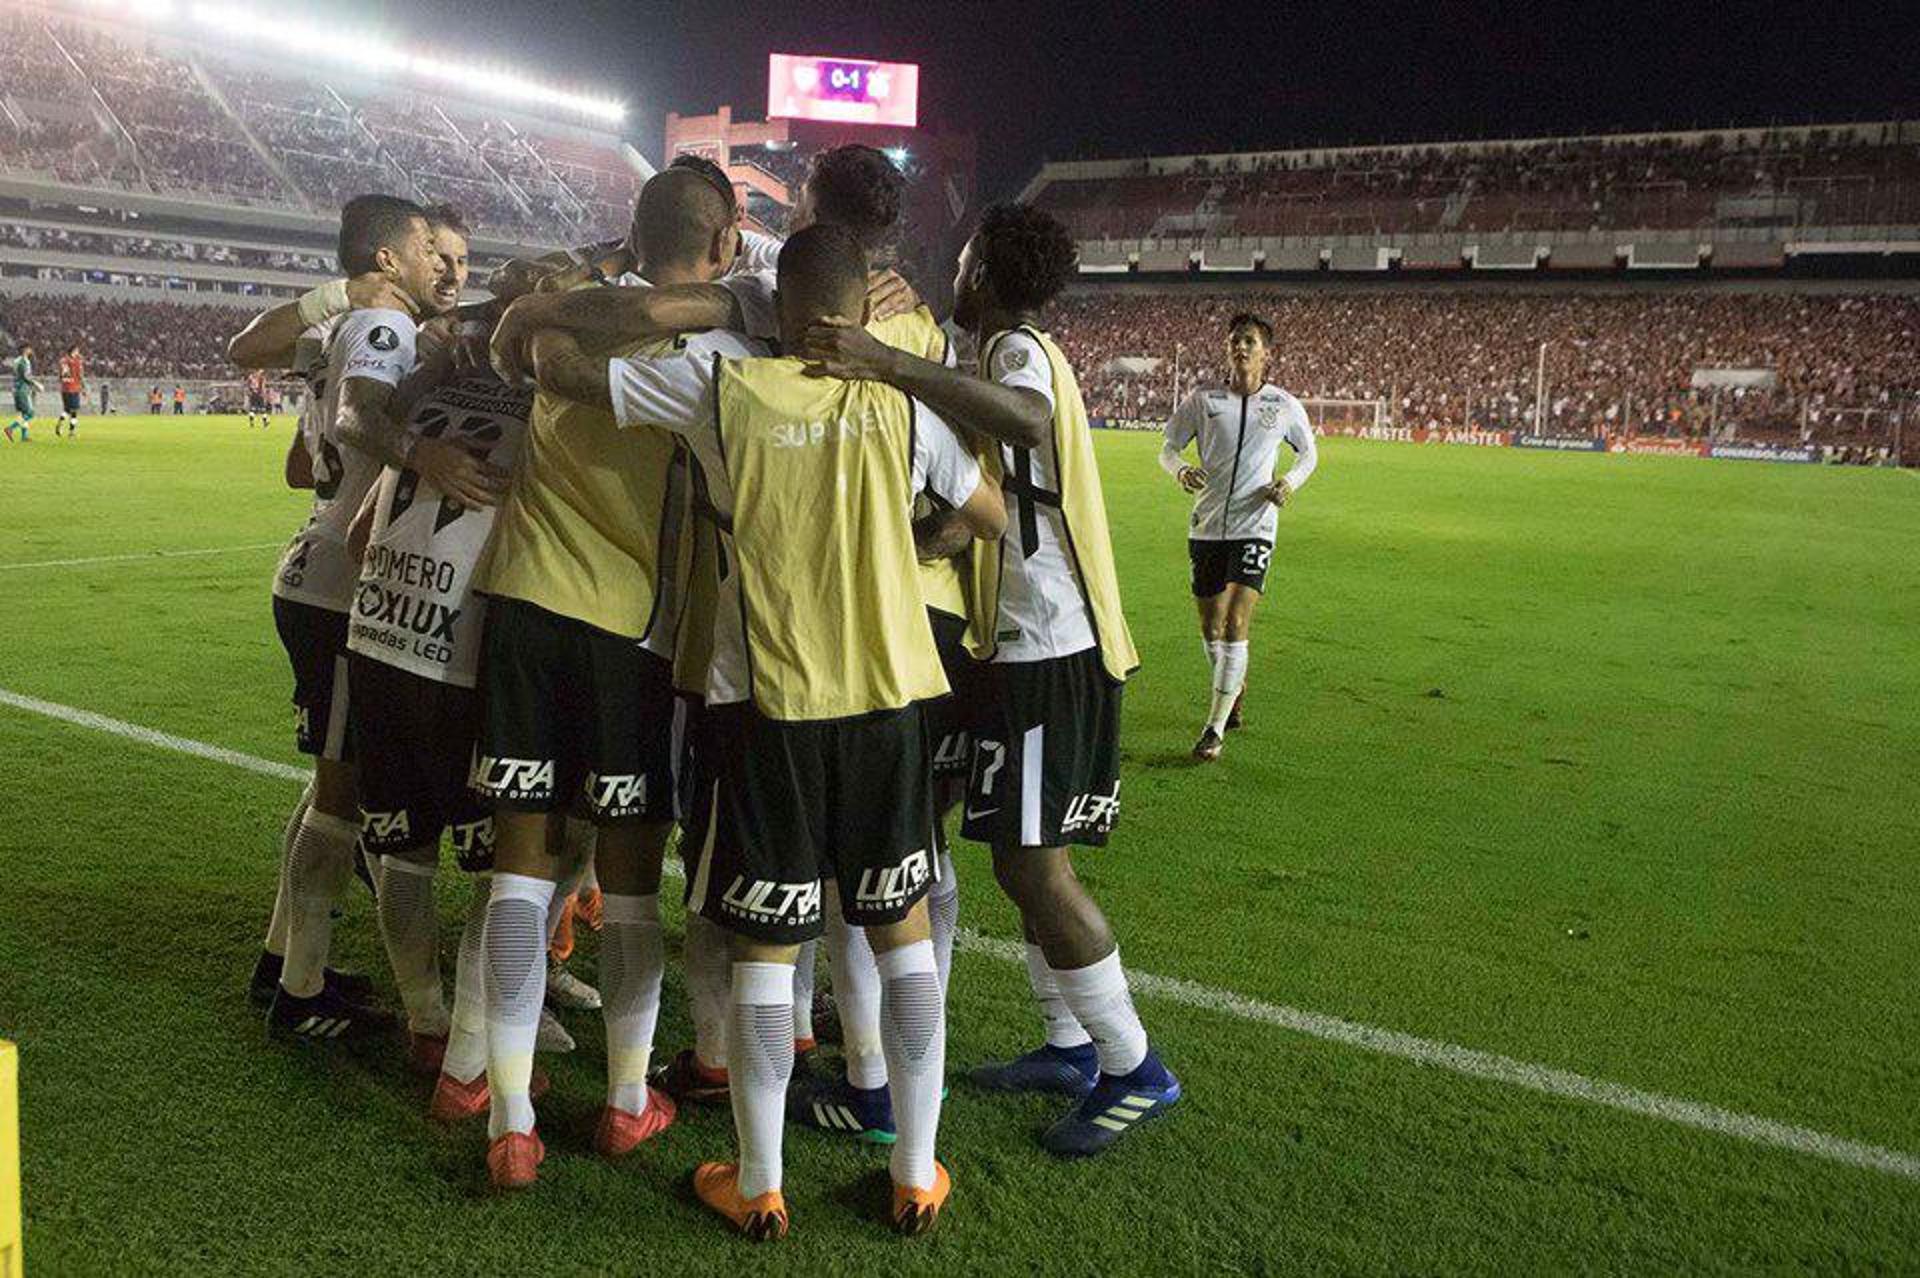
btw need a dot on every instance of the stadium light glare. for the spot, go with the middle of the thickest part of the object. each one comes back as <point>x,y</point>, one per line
<point>374,54</point>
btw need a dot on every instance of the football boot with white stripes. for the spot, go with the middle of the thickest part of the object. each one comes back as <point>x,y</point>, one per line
<point>841,1109</point>
<point>326,1017</point>
<point>1117,1104</point>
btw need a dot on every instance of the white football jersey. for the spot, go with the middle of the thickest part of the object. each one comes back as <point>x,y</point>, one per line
<point>316,569</point>
<point>1239,440</point>
<point>415,607</point>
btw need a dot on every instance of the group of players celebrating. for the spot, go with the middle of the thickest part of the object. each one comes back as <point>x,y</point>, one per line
<point>704,531</point>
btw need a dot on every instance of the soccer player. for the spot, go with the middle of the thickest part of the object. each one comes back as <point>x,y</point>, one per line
<point>343,444</point>
<point>579,701</point>
<point>821,661</point>
<point>257,398</point>
<point>72,384</point>
<point>1046,751</point>
<point>24,387</point>
<point>1236,507</point>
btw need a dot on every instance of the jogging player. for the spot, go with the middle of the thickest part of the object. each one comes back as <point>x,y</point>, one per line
<point>24,387</point>
<point>72,386</point>
<point>1236,508</point>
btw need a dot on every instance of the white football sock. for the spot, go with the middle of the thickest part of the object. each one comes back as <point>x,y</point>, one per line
<point>803,972</point>
<point>760,1064</point>
<point>1062,1029</point>
<point>317,871</point>
<point>913,1026</point>
<point>709,978</point>
<point>632,958</point>
<point>943,910</point>
<point>466,1056</point>
<point>516,983</point>
<point>410,925</point>
<point>282,908</point>
<point>1229,676</point>
<point>856,995</point>
<point>1098,996</point>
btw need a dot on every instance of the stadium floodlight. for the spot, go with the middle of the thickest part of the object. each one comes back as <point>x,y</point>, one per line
<point>373,54</point>
<point>899,155</point>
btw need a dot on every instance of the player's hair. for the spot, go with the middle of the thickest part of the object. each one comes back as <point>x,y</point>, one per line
<point>677,216</point>
<point>447,217</point>
<point>857,187</point>
<point>1027,253</point>
<point>713,173</point>
<point>823,270</point>
<point>369,223</point>
<point>1247,319</point>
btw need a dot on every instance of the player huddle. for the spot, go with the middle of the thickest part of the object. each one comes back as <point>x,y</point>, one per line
<point>701,532</point>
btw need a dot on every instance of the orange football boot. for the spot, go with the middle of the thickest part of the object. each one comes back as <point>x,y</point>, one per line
<point>915,1210</point>
<point>513,1161</point>
<point>621,1132</point>
<point>718,1186</point>
<point>456,1102</point>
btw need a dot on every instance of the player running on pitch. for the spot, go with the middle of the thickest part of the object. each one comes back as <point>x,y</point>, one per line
<point>257,398</point>
<point>1237,501</point>
<point>72,384</point>
<point>24,387</point>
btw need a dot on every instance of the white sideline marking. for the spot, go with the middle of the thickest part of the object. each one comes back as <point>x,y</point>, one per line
<point>1451,1057</point>
<point>147,554</point>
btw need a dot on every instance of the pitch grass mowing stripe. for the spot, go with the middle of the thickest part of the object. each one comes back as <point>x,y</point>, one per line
<point>1385,1042</point>
<point>149,554</point>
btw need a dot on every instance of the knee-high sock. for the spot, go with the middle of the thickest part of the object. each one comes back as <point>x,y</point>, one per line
<point>760,1064</point>
<point>516,945</point>
<point>856,996</point>
<point>632,958</point>
<point>943,908</point>
<point>282,908</point>
<point>410,925</point>
<point>317,871</point>
<point>467,1039</point>
<point>803,971</point>
<point>1100,1001</point>
<point>1229,676</point>
<point>913,1028</point>
<point>1062,1029</point>
<point>709,977</point>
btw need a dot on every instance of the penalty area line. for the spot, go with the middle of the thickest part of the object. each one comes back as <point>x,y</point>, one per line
<point>148,554</point>
<point>1465,1061</point>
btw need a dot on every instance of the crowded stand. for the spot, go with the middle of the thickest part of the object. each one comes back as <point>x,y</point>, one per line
<point>63,240</point>
<point>1830,177</point>
<point>126,339</point>
<point>1614,362</point>
<point>204,126</point>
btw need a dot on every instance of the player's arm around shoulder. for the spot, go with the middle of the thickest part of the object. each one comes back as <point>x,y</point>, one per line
<point>1017,415</point>
<point>561,368</point>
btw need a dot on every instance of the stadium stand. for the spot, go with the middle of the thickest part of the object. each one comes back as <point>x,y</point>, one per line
<point>161,340</point>
<point>1845,364</point>
<point>1856,175</point>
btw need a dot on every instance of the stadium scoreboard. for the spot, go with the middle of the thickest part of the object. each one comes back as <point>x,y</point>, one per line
<point>843,90</point>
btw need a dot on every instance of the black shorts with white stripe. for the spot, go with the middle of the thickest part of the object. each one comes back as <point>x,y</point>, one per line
<point>316,644</point>
<point>1046,755</point>
<point>951,719</point>
<point>413,737</point>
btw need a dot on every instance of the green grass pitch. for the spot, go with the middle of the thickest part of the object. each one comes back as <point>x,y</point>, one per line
<point>1600,763</point>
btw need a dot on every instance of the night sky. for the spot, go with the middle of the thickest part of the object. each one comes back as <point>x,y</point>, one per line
<point>1060,80</point>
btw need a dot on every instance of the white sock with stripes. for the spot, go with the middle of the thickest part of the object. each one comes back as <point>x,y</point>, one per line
<point>516,959</point>
<point>856,996</point>
<point>1062,1029</point>
<point>943,909</point>
<point>466,1056</point>
<point>317,872</point>
<point>913,1027</point>
<point>1098,996</point>
<point>760,1063</point>
<point>709,979</point>
<point>632,958</point>
<point>1229,676</point>
<point>410,926</point>
<point>282,907</point>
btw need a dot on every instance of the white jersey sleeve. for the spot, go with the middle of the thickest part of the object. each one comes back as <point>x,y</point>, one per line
<point>1182,429</point>
<point>673,392</point>
<point>941,464</point>
<point>1018,360</point>
<point>378,344</point>
<point>754,294</point>
<point>1299,436</point>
